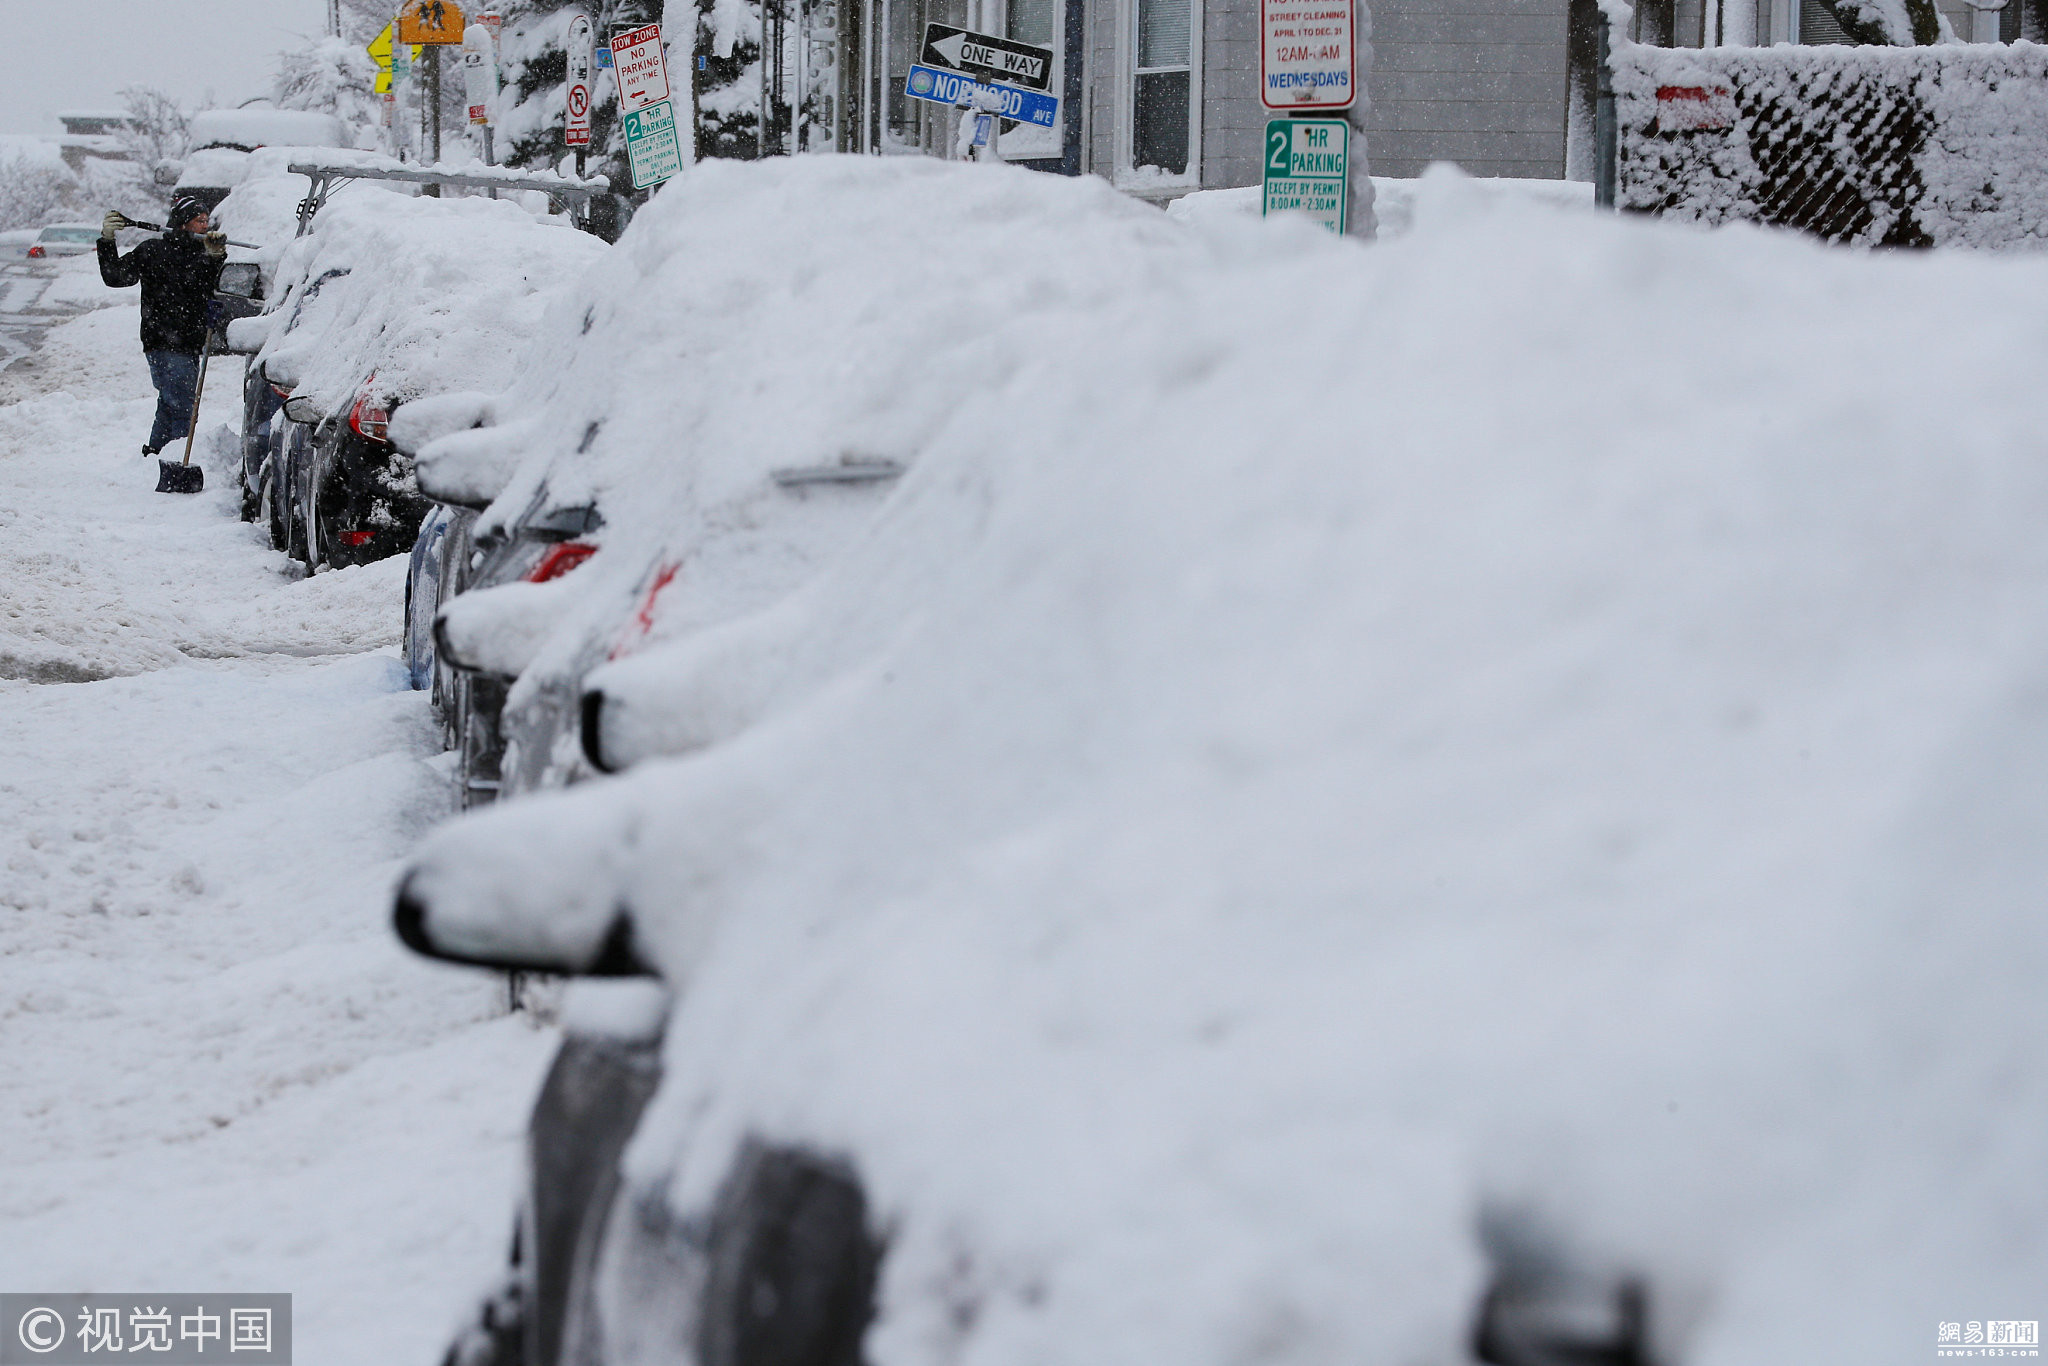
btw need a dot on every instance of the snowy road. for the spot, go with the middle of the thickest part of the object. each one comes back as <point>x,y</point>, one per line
<point>217,1069</point>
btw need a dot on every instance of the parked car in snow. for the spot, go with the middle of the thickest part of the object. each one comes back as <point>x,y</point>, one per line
<point>627,518</point>
<point>1441,880</point>
<point>63,239</point>
<point>15,242</point>
<point>386,300</point>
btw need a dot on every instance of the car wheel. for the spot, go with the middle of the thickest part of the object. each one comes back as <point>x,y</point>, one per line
<point>308,528</point>
<point>270,507</point>
<point>479,699</point>
<point>791,1275</point>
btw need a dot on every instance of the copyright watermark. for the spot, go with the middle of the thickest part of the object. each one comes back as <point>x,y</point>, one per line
<point>1988,1338</point>
<point>165,1330</point>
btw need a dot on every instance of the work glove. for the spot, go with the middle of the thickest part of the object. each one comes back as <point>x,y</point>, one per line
<point>113,223</point>
<point>216,244</point>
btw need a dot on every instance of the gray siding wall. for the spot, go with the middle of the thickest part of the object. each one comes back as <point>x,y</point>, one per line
<point>1478,82</point>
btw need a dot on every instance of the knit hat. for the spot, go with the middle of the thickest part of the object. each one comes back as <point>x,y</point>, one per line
<point>184,209</point>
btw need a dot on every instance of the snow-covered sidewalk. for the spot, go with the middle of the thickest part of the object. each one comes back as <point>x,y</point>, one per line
<point>218,1071</point>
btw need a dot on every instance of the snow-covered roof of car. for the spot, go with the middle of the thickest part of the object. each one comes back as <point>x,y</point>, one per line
<point>214,168</point>
<point>251,128</point>
<point>442,294</point>
<point>1326,745</point>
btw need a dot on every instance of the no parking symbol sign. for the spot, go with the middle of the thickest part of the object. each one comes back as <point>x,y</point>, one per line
<point>576,100</point>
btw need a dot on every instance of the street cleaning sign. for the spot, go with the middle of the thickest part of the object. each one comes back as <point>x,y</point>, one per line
<point>653,150</point>
<point>1308,54</point>
<point>954,88</point>
<point>642,70</point>
<point>1308,169</point>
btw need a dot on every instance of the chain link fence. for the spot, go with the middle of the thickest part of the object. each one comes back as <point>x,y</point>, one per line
<point>1872,146</point>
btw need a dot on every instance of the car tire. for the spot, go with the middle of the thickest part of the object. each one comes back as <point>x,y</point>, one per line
<point>270,509</point>
<point>479,702</point>
<point>792,1266</point>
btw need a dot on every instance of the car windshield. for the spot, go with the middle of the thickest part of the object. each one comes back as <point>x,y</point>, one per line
<point>70,234</point>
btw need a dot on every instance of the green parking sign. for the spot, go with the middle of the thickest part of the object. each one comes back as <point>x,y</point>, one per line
<point>654,152</point>
<point>1308,169</point>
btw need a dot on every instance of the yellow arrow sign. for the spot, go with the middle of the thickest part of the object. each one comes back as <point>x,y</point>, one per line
<point>381,52</point>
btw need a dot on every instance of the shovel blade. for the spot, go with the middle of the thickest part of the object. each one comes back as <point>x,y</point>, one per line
<point>173,477</point>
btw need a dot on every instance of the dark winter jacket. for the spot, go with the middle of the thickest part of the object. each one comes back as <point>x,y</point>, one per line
<point>177,281</point>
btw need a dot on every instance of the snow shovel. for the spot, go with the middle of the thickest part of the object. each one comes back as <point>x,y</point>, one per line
<point>183,476</point>
<point>158,227</point>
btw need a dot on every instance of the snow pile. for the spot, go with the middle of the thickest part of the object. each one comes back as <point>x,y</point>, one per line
<point>1393,199</point>
<point>263,207</point>
<point>1325,745</point>
<point>220,1069</point>
<point>438,295</point>
<point>1944,145</point>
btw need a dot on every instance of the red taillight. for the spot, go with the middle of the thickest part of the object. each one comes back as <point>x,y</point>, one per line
<point>357,537</point>
<point>643,620</point>
<point>369,421</point>
<point>36,252</point>
<point>560,560</point>
<point>281,392</point>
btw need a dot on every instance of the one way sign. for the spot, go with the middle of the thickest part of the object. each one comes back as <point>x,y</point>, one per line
<point>990,59</point>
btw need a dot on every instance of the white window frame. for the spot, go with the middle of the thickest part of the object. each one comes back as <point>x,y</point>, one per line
<point>1126,177</point>
<point>1011,146</point>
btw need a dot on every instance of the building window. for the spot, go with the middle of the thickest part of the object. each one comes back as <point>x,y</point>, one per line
<point>1162,85</point>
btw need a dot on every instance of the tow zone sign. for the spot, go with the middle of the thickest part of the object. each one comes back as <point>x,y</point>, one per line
<point>1308,54</point>
<point>640,67</point>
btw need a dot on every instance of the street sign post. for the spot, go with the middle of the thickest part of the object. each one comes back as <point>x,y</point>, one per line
<point>988,58</point>
<point>576,98</point>
<point>653,150</point>
<point>989,76</point>
<point>1308,54</point>
<point>954,88</point>
<point>1308,169</point>
<point>640,67</point>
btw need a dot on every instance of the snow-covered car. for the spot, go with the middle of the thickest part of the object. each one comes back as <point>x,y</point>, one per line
<point>1415,827</point>
<point>15,242</point>
<point>63,239</point>
<point>612,511</point>
<point>388,299</point>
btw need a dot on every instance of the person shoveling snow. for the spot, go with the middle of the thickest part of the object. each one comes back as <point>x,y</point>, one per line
<point>177,271</point>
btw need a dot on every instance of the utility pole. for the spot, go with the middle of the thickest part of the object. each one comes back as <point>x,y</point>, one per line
<point>434,94</point>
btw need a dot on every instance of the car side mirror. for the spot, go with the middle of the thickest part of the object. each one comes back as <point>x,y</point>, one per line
<point>302,408</point>
<point>469,469</point>
<point>609,953</point>
<point>240,280</point>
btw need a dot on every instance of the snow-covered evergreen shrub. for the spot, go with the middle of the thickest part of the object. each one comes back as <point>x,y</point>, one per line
<point>33,190</point>
<point>329,76</point>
